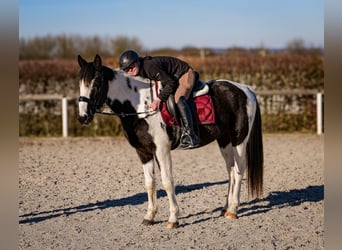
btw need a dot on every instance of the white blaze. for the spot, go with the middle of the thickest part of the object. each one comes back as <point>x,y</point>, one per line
<point>82,106</point>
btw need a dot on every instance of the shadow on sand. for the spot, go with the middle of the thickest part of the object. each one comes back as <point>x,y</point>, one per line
<point>282,199</point>
<point>275,199</point>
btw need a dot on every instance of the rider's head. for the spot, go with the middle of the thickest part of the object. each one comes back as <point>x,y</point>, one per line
<point>129,60</point>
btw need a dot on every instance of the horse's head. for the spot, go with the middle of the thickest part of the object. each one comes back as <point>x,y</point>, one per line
<point>93,88</point>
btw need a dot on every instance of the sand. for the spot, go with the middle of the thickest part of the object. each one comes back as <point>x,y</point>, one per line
<point>88,193</point>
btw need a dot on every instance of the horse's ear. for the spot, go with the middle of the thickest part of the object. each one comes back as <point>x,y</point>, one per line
<point>97,62</point>
<point>81,61</point>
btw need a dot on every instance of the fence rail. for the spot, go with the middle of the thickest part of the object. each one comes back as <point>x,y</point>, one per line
<point>64,103</point>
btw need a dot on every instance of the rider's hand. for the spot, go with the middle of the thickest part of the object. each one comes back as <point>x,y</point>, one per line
<point>155,104</point>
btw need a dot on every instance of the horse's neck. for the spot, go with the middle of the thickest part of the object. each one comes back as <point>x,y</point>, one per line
<point>136,90</point>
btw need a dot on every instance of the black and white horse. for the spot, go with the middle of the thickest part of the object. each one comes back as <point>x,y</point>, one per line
<point>237,130</point>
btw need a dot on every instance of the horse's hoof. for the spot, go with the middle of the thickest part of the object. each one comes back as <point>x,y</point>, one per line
<point>171,225</point>
<point>230,215</point>
<point>223,212</point>
<point>147,222</point>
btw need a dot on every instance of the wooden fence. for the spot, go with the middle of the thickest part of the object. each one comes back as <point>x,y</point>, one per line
<point>64,103</point>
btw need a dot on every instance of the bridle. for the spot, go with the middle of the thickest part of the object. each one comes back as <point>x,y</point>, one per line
<point>101,90</point>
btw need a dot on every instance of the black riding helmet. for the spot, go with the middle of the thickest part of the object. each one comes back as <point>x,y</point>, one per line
<point>127,58</point>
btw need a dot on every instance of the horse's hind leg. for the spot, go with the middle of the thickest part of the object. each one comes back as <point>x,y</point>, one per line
<point>228,155</point>
<point>236,176</point>
<point>150,183</point>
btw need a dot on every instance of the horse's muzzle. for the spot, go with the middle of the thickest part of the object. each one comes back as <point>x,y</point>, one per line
<point>84,120</point>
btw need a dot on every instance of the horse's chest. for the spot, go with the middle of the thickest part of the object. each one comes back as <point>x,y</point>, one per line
<point>138,137</point>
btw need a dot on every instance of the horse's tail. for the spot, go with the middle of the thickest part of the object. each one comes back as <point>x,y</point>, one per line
<point>255,157</point>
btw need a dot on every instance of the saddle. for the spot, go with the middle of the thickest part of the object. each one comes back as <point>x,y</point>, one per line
<point>200,103</point>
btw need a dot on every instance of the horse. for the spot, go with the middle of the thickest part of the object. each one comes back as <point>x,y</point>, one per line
<point>237,130</point>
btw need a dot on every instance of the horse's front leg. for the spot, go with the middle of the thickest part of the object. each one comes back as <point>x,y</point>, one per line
<point>150,183</point>
<point>163,157</point>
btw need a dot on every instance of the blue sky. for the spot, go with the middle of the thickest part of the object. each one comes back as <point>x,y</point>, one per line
<point>179,23</point>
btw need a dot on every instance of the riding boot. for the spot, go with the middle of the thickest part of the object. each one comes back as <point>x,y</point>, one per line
<point>188,139</point>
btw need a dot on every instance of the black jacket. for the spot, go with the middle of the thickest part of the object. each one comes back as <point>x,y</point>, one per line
<point>165,69</point>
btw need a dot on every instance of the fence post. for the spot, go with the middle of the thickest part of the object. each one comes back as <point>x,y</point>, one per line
<point>65,116</point>
<point>319,113</point>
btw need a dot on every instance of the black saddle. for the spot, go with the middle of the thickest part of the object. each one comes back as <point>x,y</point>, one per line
<point>199,88</point>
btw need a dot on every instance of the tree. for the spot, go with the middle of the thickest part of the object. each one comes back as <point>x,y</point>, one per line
<point>37,48</point>
<point>296,45</point>
<point>65,47</point>
<point>122,43</point>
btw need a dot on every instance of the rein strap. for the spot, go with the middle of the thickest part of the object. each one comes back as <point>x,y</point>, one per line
<point>130,114</point>
<point>124,114</point>
<point>89,101</point>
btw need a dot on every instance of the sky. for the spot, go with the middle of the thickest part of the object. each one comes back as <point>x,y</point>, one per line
<point>179,23</point>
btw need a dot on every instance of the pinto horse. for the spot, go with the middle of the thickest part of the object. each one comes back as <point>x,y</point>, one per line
<point>237,130</point>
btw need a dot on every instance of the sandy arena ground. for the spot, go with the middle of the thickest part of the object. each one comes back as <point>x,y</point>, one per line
<point>88,193</point>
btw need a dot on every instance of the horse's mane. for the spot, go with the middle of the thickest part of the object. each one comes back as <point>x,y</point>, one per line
<point>109,73</point>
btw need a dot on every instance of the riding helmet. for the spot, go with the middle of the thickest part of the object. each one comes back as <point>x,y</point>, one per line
<point>127,58</point>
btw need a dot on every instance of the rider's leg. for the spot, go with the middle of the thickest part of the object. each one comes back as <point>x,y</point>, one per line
<point>188,138</point>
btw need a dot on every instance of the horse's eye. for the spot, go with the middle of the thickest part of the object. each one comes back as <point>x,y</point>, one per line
<point>97,82</point>
<point>93,93</point>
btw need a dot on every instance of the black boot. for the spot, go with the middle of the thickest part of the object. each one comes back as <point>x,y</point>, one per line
<point>188,139</point>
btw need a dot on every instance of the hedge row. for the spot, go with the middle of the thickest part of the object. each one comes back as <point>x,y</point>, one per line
<point>277,71</point>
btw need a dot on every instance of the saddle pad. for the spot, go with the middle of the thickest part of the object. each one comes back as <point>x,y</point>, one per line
<point>204,108</point>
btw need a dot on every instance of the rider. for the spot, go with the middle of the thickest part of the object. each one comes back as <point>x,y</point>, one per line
<point>176,77</point>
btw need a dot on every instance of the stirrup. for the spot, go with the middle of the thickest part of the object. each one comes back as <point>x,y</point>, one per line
<point>189,143</point>
<point>188,146</point>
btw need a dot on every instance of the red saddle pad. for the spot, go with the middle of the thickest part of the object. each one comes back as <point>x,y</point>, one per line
<point>204,108</point>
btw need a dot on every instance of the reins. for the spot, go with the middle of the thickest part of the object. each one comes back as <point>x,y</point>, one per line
<point>122,114</point>
<point>125,114</point>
